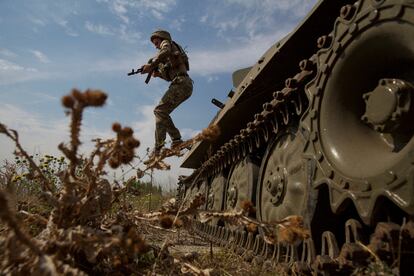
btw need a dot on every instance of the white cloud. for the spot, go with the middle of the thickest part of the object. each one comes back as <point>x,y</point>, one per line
<point>177,24</point>
<point>40,56</point>
<point>296,7</point>
<point>10,66</point>
<point>157,14</point>
<point>205,62</point>
<point>36,134</point>
<point>188,133</point>
<point>254,16</point>
<point>42,134</point>
<point>271,5</point>
<point>212,78</point>
<point>127,35</point>
<point>145,126</point>
<point>44,97</point>
<point>159,6</point>
<point>208,62</point>
<point>123,31</point>
<point>204,18</point>
<point>43,13</point>
<point>98,28</point>
<point>127,10</point>
<point>38,21</point>
<point>120,9</point>
<point>64,24</point>
<point>11,72</point>
<point>7,53</point>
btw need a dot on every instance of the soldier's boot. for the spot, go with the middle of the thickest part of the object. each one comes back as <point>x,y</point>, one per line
<point>178,143</point>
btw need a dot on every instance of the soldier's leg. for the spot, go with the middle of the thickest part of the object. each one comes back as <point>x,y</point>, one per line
<point>162,119</point>
<point>178,92</point>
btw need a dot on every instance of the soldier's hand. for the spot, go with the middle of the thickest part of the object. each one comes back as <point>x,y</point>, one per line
<point>146,69</point>
<point>156,74</point>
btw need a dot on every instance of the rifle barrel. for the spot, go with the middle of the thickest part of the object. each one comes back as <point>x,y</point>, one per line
<point>139,70</point>
<point>135,72</point>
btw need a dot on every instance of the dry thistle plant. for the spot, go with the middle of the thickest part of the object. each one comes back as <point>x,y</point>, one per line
<point>76,102</point>
<point>210,133</point>
<point>79,236</point>
<point>36,171</point>
<point>173,214</point>
<point>289,230</point>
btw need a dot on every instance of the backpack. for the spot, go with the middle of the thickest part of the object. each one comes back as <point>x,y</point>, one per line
<point>182,54</point>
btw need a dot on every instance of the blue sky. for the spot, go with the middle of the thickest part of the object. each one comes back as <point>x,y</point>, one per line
<point>48,47</point>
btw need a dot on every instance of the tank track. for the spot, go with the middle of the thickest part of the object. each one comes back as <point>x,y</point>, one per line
<point>289,105</point>
<point>390,243</point>
<point>277,113</point>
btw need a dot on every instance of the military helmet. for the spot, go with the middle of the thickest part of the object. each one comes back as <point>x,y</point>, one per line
<point>161,34</point>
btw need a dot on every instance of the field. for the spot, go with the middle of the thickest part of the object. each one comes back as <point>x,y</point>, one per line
<point>62,216</point>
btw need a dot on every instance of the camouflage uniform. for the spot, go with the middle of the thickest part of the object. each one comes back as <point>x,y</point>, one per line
<point>172,67</point>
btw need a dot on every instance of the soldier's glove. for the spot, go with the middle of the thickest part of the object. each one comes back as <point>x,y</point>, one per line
<point>156,74</point>
<point>146,69</point>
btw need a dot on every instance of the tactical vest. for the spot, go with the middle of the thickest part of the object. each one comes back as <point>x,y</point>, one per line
<point>180,54</point>
<point>177,62</point>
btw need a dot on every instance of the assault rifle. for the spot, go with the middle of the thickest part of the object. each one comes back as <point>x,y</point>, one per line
<point>139,70</point>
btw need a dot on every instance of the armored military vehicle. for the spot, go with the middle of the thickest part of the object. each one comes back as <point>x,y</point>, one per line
<point>320,126</point>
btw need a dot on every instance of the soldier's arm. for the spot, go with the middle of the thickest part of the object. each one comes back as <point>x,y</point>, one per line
<point>163,53</point>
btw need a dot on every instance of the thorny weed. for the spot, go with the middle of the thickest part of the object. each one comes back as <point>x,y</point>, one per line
<point>210,133</point>
<point>78,236</point>
<point>289,230</point>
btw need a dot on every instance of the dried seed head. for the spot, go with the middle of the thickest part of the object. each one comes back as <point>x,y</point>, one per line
<point>178,223</point>
<point>2,128</point>
<point>68,101</point>
<point>116,261</point>
<point>286,235</point>
<point>126,132</point>
<point>197,202</point>
<point>166,221</point>
<point>294,221</point>
<point>128,242</point>
<point>270,238</point>
<point>140,173</point>
<point>79,96</point>
<point>95,97</point>
<point>248,207</point>
<point>116,127</point>
<point>132,143</point>
<point>141,246</point>
<point>114,163</point>
<point>126,157</point>
<point>211,133</point>
<point>291,233</point>
<point>251,227</point>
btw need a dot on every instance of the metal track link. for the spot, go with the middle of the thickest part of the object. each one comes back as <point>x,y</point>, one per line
<point>390,243</point>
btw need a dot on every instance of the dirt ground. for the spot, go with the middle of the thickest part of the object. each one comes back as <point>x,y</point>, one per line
<point>204,257</point>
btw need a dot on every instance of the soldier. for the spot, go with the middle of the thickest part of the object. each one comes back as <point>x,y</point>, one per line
<point>170,64</point>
